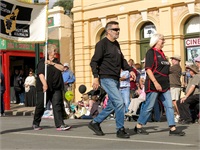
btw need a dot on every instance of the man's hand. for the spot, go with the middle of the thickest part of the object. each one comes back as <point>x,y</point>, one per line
<point>183,99</point>
<point>45,87</point>
<point>95,84</point>
<point>132,74</point>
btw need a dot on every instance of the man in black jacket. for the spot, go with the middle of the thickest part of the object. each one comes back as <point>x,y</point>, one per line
<point>106,65</point>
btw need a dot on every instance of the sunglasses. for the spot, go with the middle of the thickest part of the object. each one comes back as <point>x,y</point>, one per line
<point>115,29</point>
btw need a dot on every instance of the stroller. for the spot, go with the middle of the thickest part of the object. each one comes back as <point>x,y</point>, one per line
<point>96,96</point>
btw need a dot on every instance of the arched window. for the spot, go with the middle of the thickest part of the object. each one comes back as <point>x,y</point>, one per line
<point>192,25</point>
<point>103,34</point>
<point>146,31</point>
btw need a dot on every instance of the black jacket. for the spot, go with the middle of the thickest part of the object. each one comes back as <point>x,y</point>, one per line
<point>108,60</point>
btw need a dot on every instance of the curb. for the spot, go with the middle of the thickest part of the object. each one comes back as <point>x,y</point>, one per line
<point>18,113</point>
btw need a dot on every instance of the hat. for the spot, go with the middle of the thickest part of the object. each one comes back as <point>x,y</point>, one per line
<point>197,59</point>
<point>193,68</point>
<point>177,57</point>
<point>66,65</point>
<point>188,63</point>
<point>142,61</point>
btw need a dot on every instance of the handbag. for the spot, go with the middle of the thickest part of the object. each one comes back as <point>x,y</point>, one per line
<point>27,88</point>
<point>17,88</point>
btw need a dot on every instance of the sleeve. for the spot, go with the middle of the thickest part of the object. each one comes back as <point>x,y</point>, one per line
<point>97,59</point>
<point>149,59</point>
<point>65,77</point>
<point>196,80</point>
<point>41,67</point>
<point>125,65</point>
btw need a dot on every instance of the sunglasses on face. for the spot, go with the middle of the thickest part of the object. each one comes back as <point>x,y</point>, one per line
<point>115,29</point>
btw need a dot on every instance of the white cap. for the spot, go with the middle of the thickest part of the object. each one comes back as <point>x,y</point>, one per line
<point>66,65</point>
<point>142,61</point>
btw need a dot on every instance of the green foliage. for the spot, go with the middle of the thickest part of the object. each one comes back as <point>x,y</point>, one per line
<point>66,4</point>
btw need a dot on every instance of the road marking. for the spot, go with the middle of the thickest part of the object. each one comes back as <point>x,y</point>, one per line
<point>106,139</point>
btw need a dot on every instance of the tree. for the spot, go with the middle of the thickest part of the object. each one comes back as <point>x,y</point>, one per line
<point>66,4</point>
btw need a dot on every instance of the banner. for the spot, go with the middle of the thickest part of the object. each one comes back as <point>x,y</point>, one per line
<point>23,22</point>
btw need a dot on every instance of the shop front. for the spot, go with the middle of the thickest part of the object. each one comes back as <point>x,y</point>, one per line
<point>15,55</point>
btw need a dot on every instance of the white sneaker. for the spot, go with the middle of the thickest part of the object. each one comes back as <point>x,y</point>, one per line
<point>2,115</point>
<point>176,118</point>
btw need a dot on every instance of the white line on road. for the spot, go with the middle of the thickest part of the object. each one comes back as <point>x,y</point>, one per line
<point>106,139</point>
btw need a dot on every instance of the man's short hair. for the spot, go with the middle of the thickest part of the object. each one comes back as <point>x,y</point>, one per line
<point>109,24</point>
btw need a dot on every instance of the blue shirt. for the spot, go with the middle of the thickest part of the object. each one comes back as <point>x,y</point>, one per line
<point>67,76</point>
<point>125,83</point>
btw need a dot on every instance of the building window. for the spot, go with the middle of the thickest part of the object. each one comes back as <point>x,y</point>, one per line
<point>193,25</point>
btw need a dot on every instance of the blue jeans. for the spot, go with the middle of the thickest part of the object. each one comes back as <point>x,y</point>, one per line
<point>21,97</point>
<point>149,104</point>
<point>115,102</point>
<point>125,92</point>
<point>156,109</point>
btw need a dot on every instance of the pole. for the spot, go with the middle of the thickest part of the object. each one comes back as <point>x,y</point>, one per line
<point>46,44</point>
<point>37,51</point>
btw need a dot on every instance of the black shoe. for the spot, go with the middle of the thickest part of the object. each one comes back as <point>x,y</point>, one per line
<point>121,133</point>
<point>96,128</point>
<point>140,131</point>
<point>176,133</point>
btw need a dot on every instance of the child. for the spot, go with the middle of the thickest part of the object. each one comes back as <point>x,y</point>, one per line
<point>135,102</point>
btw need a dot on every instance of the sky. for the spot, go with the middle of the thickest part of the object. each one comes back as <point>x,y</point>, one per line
<point>51,2</point>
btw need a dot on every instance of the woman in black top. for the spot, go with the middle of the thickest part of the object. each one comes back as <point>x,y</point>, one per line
<point>157,85</point>
<point>53,87</point>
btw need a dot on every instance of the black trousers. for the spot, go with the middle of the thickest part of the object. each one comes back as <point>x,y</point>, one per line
<point>56,99</point>
<point>189,103</point>
<point>2,103</point>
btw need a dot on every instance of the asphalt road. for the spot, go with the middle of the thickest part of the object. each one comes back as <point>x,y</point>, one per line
<point>16,133</point>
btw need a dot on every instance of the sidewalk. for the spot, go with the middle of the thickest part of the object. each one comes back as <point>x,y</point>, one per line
<point>19,110</point>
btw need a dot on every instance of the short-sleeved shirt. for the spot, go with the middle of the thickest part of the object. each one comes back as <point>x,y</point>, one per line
<point>195,80</point>
<point>54,76</point>
<point>175,75</point>
<point>159,65</point>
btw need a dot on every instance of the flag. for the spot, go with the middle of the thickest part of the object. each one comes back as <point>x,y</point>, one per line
<point>23,22</point>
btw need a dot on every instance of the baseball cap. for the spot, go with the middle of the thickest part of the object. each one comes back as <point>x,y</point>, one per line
<point>66,65</point>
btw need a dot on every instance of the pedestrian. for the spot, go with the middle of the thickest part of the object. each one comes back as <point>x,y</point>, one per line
<point>2,90</point>
<point>68,78</point>
<point>133,85</point>
<point>197,62</point>
<point>53,86</point>
<point>125,88</point>
<point>30,90</point>
<point>191,98</point>
<point>106,65</point>
<point>175,71</point>
<point>157,85</point>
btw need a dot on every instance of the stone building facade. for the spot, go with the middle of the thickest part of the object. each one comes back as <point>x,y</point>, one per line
<point>178,20</point>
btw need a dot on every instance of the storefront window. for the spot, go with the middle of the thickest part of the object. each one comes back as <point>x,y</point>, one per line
<point>192,39</point>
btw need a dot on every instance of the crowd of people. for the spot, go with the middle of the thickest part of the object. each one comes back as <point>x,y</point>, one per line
<point>160,79</point>
<point>129,86</point>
